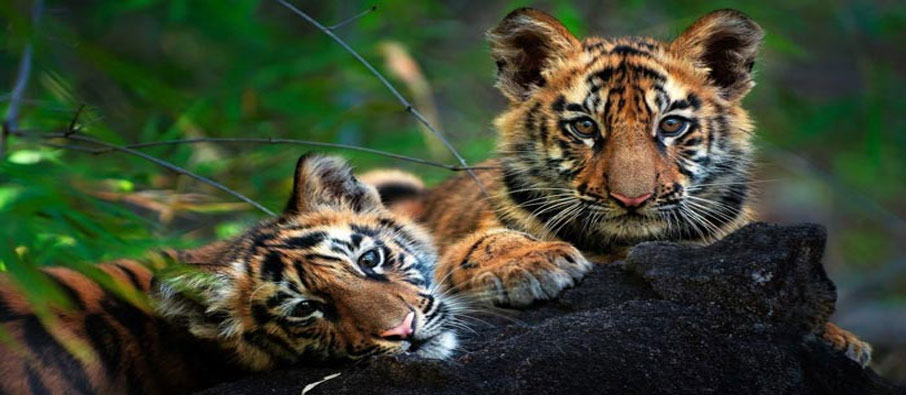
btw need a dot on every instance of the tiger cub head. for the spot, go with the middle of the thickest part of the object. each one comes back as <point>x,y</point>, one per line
<point>336,276</point>
<point>616,141</point>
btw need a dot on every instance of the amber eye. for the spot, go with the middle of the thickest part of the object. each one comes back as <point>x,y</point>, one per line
<point>371,259</point>
<point>673,126</point>
<point>304,309</point>
<point>583,128</point>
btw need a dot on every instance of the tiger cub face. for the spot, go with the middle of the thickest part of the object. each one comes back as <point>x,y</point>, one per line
<point>336,276</point>
<point>616,141</point>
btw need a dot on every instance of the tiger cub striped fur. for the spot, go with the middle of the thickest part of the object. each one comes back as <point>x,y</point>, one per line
<point>605,143</point>
<point>336,276</point>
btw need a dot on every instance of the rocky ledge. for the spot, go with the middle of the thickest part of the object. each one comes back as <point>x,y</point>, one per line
<point>738,316</point>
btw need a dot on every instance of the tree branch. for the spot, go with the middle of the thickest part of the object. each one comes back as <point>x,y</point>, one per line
<point>408,106</point>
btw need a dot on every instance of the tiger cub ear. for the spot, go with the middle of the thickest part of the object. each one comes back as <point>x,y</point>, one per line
<point>524,44</point>
<point>327,181</point>
<point>725,42</point>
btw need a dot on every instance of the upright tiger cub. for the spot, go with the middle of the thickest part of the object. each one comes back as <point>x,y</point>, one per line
<point>605,143</point>
<point>335,276</point>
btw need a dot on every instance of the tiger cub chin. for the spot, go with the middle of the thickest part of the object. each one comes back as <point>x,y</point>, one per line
<point>336,276</point>
<point>605,143</point>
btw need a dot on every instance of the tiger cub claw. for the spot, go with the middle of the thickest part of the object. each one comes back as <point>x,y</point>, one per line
<point>513,268</point>
<point>848,343</point>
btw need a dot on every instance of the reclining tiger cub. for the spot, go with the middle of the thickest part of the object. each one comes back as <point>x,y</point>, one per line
<point>605,143</point>
<point>336,276</point>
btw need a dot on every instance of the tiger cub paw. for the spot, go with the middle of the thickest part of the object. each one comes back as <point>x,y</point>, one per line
<point>506,267</point>
<point>847,343</point>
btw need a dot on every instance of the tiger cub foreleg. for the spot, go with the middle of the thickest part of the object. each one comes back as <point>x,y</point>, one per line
<point>507,267</point>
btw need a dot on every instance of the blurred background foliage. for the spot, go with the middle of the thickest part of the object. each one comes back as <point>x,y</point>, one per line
<point>829,105</point>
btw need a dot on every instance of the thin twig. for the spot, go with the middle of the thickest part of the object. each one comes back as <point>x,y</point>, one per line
<point>270,140</point>
<point>80,148</point>
<point>12,112</point>
<point>159,162</point>
<point>72,124</point>
<point>176,169</point>
<point>418,116</point>
<point>353,18</point>
<point>263,140</point>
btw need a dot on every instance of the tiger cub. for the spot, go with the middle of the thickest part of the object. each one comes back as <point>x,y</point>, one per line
<point>605,143</point>
<point>336,276</point>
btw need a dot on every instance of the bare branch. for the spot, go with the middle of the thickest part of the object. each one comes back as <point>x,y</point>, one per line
<point>270,140</point>
<point>159,162</point>
<point>262,140</point>
<point>79,148</point>
<point>353,18</point>
<point>408,106</point>
<point>12,112</point>
<point>72,124</point>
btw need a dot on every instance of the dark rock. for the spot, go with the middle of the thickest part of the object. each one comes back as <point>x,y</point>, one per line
<point>735,317</point>
<point>763,273</point>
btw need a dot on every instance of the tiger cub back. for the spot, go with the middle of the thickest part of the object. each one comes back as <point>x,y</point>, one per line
<point>336,276</point>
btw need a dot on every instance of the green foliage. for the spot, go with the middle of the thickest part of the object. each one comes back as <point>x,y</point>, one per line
<point>150,70</point>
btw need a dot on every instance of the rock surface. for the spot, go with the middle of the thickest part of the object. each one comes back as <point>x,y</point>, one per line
<point>735,317</point>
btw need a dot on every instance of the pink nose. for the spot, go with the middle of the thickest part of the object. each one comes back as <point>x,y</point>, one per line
<point>401,331</point>
<point>631,201</point>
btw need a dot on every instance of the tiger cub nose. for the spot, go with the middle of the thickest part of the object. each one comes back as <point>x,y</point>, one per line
<point>401,331</point>
<point>631,202</point>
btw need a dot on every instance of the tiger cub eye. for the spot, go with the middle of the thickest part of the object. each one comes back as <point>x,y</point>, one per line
<point>673,126</point>
<point>584,127</point>
<point>304,309</point>
<point>370,259</point>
